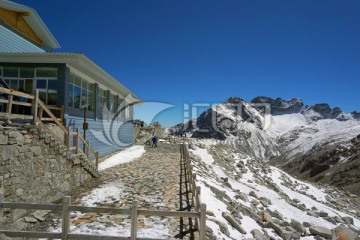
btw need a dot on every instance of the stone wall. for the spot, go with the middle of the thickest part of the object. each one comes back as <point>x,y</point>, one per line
<point>34,167</point>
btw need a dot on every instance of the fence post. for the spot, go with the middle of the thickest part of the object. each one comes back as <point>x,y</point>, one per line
<point>68,135</point>
<point>77,140</point>
<point>1,212</point>
<point>202,230</point>
<point>87,149</point>
<point>97,160</point>
<point>41,110</point>
<point>134,217</point>
<point>9,108</point>
<point>34,106</point>
<point>66,218</point>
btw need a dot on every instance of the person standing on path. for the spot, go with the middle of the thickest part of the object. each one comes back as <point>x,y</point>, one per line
<point>154,140</point>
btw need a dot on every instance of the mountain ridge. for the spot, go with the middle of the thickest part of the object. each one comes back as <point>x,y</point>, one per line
<point>276,130</point>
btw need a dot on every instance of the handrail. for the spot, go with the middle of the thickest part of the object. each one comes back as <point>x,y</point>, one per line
<point>51,115</point>
<point>66,207</point>
<point>38,107</point>
<point>16,93</point>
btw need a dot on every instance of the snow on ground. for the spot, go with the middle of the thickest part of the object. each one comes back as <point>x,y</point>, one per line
<point>209,179</point>
<point>283,123</point>
<point>107,193</point>
<point>124,156</point>
<point>203,154</point>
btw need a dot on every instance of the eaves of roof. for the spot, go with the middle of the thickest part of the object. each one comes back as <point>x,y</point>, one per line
<point>35,22</point>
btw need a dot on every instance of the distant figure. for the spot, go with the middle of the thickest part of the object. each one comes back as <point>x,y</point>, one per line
<point>142,124</point>
<point>154,141</point>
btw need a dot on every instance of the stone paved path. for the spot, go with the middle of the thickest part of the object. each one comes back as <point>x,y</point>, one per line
<point>152,180</point>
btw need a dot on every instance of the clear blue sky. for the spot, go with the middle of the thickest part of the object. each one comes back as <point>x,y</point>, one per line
<point>182,51</point>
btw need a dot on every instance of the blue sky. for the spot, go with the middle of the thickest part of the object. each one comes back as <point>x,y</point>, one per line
<point>185,52</point>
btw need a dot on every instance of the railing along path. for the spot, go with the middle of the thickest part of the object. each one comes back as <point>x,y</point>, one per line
<point>38,110</point>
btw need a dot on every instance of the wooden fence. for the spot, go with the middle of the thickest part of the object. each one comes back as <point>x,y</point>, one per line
<point>67,208</point>
<point>37,113</point>
<point>190,180</point>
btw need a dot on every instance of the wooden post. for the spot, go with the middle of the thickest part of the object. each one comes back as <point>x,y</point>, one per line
<point>202,230</point>
<point>68,135</point>
<point>66,218</point>
<point>1,212</point>
<point>77,140</point>
<point>197,204</point>
<point>134,217</point>
<point>34,107</point>
<point>87,152</point>
<point>41,110</point>
<point>9,108</point>
<point>97,160</point>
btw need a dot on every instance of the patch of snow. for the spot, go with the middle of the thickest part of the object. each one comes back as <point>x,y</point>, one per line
<point>124,156</point>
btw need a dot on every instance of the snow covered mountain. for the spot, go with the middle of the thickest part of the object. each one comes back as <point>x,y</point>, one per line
<point>278,130</point>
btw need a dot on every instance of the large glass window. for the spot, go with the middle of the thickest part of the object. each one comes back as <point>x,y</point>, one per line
<point>80,93</point>
<point>27,79</point>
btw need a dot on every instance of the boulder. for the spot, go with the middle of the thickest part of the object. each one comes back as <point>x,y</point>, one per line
<point>323,214</point>
<point>330,219</point>
<point>266,217</point>
<point>274,226</point>
<point>344,233</point>
<point>242,196</point>
<point>298,226</point>
<point>321,231</point>
<point>348,220</point>
<point>253,194</point>
<point>339,220</point>
<point>276,214</point>
<point>258,235</point>
<point>235,224</point>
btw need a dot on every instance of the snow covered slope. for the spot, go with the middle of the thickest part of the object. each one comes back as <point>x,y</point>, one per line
<point>247,198</point>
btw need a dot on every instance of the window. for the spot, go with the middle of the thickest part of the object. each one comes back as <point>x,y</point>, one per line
<point>111,103</point>
<point>28,79</point>
<point>80,92</point>
<point>102,98</point>
<point>11,72</point>
<point>27,72</point>
<point>46,72</point>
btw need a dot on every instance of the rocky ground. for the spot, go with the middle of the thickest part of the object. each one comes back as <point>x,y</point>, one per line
<point>248,198</point>
<point>333,164</point>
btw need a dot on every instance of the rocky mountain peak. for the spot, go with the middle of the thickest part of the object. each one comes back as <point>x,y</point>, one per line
<point>233,100</point>
<point>281,106</point>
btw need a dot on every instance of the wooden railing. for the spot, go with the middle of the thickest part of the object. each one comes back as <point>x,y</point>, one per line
<point>190,181</point>
<point>13,105</point>
<point>67,208</point>
<point>38,110</point>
